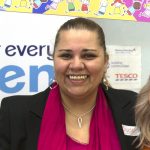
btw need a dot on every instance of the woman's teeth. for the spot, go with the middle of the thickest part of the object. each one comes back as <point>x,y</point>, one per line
<point>77,77</point>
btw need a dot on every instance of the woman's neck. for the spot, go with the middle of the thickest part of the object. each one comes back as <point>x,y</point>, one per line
<point>79,104</point>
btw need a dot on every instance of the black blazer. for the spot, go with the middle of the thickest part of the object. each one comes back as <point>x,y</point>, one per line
<point>20,118</point>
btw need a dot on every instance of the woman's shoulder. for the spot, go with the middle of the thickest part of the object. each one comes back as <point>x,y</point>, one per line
<point>116,91</point>
<point>18,106</point>
<point>22,100</point>
<point>121,96</point>
<point>123,90</point>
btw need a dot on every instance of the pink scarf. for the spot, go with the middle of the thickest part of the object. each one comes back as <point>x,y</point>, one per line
<point>52,135</point>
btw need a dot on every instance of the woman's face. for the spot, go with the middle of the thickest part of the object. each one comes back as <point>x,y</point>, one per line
<point>79,62</point>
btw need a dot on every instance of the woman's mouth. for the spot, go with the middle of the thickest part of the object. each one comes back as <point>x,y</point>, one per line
<point>77,77</point>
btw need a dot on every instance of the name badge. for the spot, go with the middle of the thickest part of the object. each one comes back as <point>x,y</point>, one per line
<point>131,130</point>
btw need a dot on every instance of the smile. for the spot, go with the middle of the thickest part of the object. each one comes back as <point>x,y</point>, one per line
<point>77,77</point>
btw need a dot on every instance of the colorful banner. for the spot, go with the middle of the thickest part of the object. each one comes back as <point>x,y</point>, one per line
<point>135,10</point>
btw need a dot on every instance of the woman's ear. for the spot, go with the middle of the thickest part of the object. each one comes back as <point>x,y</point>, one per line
<point>106,57</point>
<point>106,62</point>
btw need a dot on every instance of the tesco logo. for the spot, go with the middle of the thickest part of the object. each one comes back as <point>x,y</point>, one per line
<point>126,76</point>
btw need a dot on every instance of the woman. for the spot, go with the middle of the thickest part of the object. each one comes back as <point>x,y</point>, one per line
<point>78,111</point>
<point>142,113</point>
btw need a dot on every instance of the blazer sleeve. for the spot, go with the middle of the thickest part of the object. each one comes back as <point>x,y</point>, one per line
<point>4,126</point>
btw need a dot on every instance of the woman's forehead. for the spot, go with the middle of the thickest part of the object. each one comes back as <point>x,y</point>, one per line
<point>78,33</point>
<point>78,30</point>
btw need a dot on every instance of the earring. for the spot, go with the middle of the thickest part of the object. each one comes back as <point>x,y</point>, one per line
<point>106,82</point>
<point>53,85</point>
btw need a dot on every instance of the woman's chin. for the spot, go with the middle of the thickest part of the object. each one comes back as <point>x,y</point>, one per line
<point>77,91</point>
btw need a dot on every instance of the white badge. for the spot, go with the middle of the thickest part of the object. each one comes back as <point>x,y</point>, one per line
<point>130,130</point>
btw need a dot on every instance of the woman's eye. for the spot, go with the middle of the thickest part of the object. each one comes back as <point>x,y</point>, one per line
<point>66,56</point>
<point>89,56</point>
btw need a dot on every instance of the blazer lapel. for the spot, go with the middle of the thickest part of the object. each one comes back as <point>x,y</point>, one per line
<point>116,104</point>
<point>34,118</point>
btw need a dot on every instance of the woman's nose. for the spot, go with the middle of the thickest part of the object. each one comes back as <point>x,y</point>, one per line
<point>76,64</point>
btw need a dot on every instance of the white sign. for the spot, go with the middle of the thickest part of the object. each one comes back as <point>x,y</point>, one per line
<point>124,70</point>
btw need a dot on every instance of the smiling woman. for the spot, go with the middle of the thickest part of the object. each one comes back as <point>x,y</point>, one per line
<point>79,56</point>
<point>79,111</point>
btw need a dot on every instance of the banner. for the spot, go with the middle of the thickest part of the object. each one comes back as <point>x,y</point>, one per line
<point>26,47</point>
<point>135,10</point>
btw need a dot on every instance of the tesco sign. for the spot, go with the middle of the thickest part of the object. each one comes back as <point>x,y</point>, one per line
<point>126,75</point>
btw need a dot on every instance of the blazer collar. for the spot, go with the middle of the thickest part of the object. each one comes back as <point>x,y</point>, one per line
<point>114,97</point>
<point>117,104</point>
<point>39,102</point>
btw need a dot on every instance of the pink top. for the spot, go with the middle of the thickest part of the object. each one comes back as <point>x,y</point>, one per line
<point>75,145</point>
<point>103,134</point>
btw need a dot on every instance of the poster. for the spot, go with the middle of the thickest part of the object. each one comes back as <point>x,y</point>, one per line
<point>124,70</point>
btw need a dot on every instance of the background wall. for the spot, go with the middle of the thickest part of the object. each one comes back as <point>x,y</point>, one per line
<point>129,33</point>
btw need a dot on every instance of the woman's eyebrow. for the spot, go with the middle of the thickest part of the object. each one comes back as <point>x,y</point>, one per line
<point>89,50</point>
<point>64,50</point>
<point>83,50</point>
